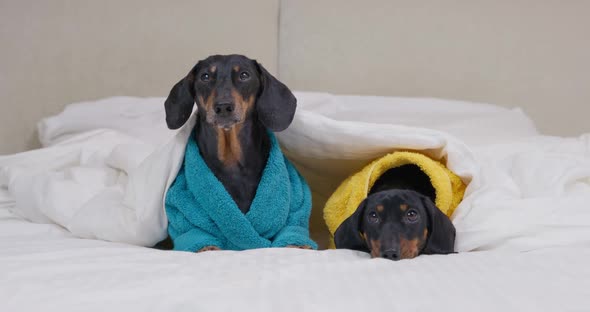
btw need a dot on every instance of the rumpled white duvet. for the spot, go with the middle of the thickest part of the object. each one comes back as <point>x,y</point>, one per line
<point>523,229</point>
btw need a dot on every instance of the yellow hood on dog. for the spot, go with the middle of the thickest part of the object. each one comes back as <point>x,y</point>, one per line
<point>449,188</point>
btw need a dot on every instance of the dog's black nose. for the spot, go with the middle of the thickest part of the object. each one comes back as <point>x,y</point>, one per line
<point>390,254</point>
<point>223,109</point>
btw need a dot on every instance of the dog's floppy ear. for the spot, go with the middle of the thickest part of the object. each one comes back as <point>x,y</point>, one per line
<point>441,238</point>
<point>275,104</point>
<point>180,101</point>
<point>348,234</point>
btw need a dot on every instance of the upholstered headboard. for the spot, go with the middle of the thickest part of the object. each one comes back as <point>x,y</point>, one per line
<point>529,53</point>
<point>57,52</point>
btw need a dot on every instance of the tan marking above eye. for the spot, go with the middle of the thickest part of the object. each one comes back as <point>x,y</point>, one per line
<point>380,208</point>
<point>236,68</point>
<point>213,69</point>
<point>403,207</point>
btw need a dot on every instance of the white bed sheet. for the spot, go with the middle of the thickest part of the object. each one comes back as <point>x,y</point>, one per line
<point>44,268</point>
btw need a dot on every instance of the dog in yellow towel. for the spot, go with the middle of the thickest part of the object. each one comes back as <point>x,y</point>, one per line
<point>397,207</point>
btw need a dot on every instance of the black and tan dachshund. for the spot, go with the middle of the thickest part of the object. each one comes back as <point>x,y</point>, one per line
<point>398,220</point>
<point>238,100</point>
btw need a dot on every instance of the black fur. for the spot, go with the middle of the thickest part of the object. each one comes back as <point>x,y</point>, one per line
<point>273,109</point>
<point>391,226</point>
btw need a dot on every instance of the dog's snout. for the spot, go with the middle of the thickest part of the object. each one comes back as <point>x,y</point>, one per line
<point>390,254</point>
<point>223,108</point>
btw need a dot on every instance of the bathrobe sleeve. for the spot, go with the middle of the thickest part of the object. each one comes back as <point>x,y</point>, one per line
<point>296,230</point>
<point>194,240</point>
<point>187,235</point>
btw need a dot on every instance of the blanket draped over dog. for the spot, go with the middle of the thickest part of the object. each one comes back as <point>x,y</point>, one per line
<point>202,213</point>
<point>448,187</point>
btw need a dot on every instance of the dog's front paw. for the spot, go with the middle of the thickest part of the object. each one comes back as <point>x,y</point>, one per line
<point>300,247</point>
<point>208,248</point>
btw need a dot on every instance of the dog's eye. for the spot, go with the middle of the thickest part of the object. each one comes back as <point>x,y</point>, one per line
<point>373,217</point>
<point>205,77</point>
<point>244,76</point>
<point>412,216</point>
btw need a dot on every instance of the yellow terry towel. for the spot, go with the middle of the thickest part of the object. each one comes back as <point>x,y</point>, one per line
<point>448,187</point>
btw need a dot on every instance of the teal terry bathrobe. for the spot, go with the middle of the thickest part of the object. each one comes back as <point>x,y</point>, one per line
<point>202,213</point>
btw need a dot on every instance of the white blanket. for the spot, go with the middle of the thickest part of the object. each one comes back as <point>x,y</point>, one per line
<point>106,165</point>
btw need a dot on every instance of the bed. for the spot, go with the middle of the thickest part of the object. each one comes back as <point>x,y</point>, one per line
<point>523,229</point>
<point>85,149</point>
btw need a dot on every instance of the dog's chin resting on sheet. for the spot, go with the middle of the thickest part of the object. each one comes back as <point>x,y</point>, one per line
<point>235,189</point>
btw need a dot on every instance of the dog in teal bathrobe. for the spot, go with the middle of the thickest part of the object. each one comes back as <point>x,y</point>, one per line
<point>235,189</point>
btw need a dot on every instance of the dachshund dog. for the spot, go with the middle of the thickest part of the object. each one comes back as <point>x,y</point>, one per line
<point>237,101</point>
<point>398,220</point>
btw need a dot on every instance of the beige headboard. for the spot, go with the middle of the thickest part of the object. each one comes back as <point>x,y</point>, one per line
<point>60,51</point>
<point>529,53</point>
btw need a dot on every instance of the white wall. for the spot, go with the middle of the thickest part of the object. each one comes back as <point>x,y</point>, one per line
<point>529,53</point>
<point>57,52</point>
